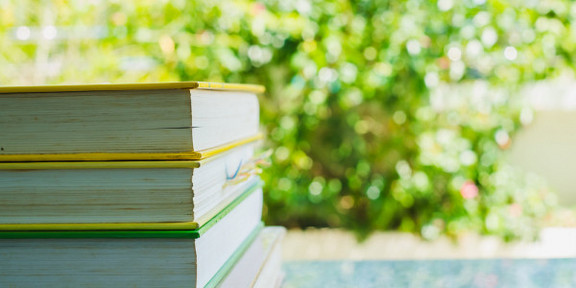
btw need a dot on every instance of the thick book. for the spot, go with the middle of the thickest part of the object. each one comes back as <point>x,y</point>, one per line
<point>123,195</point>
<point>198,258</point>
<point>141,121</point>
<point>261,264</point>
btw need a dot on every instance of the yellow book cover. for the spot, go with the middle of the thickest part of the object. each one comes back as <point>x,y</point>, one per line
<point>136,121</point>
<point>132,86</point>
<point>124,195</point>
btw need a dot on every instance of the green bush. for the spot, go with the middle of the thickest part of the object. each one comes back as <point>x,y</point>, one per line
<point>381,114</point>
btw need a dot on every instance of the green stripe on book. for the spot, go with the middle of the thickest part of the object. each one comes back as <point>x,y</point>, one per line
<point>225,269</point>
<point>228,208</point>
<point>97,234</point>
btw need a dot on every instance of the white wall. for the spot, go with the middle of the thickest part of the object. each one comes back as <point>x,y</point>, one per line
<point>548,147</point>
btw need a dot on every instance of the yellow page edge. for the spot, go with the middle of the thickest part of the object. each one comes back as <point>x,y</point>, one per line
<point>98,165</point>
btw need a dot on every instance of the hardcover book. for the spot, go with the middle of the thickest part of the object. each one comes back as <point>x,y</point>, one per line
<point>122,195</point>
<point>199,258</point>
<point>147,121</point>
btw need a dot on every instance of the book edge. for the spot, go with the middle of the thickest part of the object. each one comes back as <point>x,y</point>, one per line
<point>236,256</point>
<point>226,210</point>
<point>279,234</point>
<point>79,227</point>
<point>98,165</point>
<point>270,238</point>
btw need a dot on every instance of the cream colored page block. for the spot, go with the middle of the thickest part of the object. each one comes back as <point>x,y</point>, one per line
<point>98,121</point>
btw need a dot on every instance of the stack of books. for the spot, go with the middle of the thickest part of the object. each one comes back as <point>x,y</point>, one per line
<point>133,185</point>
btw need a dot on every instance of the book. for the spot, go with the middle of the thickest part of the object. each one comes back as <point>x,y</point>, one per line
<point>123,195</point>
<point>133,185</point>
<point>198,258</point>
<point>142,121</point>
<point>261,264</point>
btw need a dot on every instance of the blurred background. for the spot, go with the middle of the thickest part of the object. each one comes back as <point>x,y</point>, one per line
<point>442,119</point>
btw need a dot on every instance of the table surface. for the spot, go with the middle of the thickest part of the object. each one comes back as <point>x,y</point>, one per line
<point>432,273</point>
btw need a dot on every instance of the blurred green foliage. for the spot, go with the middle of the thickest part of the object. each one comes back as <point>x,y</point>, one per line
<point>381,114</point>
